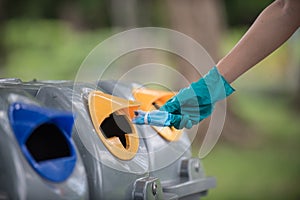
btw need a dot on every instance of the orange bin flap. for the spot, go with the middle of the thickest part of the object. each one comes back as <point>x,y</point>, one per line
<point>101,106</point>
<point>153,99</point>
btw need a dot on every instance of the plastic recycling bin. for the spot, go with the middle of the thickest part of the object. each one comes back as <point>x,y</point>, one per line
<point>121,160</point>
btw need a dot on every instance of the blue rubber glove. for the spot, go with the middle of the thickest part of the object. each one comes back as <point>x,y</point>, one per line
<point>191,104</point>
<point>197,101</point>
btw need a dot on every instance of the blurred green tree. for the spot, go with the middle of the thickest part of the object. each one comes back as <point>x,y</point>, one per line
<point>241,13</point>
<point>2,49</point>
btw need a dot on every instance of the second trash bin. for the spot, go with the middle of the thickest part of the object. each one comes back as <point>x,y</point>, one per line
<point>168,148</point>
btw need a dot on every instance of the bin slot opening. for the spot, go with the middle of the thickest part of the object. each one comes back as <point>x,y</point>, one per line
<point>47,142</point>
<point>116,126</point>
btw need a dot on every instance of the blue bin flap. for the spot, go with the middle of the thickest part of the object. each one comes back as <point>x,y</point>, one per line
<point>44,136</point>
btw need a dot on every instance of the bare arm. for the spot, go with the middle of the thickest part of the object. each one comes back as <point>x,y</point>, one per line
<point>270,30</point>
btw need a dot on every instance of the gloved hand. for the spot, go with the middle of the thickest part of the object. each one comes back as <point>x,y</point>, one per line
<point>191,104</point>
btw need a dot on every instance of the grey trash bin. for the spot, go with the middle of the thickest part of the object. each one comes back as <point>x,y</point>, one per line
<point>157,169</point>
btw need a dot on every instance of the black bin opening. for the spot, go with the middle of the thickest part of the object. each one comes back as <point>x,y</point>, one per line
<point>116,126</point>
<point>47,142</point>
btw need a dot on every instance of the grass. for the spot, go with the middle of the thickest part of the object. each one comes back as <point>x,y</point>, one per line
<point>270,170</point>
<point>257,174</point>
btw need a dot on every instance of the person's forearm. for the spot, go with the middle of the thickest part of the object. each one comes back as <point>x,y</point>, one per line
<point>270,30</point>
